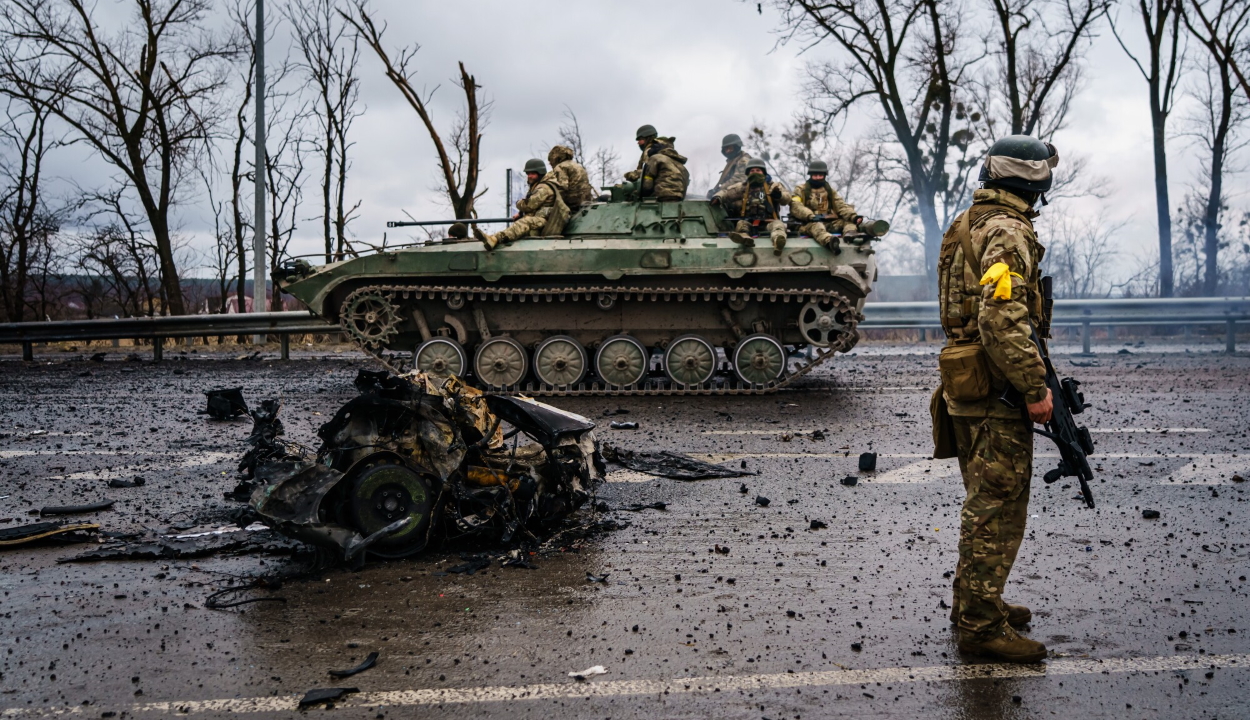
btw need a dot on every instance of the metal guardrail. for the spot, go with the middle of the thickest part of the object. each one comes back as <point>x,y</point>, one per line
<point>1088,313</point>
<point>878,315</point>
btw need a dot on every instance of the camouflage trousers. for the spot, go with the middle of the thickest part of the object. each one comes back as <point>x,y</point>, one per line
<point>996,459</point>
<point>776,230</point>
<point>819,232</point>
<point>527,226</point>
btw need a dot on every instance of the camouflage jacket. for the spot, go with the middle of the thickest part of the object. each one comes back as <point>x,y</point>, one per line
<point>570,177</point>
<point>662,142</point>
<point>539,199</point>
<point>735,171</point>
<point>1000,230</point>
<point>665,176</point>
<point>807,202</point>
<point>759,202</point>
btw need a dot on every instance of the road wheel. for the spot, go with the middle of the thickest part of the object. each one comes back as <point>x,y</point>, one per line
<point>622,361</point>
<point>819,323</point>
<point>759,359</point>
<point>440,357</point>
<point>500,363</point>
<point>690,361</point>
<point>560,361</point>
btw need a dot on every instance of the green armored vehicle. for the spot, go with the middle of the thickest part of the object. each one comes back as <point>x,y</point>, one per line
<point>636,297</point>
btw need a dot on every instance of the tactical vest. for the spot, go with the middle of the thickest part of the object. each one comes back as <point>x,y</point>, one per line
<point>757,203</point>
<point>959,288</point>
<point>806,194</point>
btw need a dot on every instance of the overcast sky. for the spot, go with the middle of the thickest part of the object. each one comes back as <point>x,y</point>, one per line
<point>696,69</point>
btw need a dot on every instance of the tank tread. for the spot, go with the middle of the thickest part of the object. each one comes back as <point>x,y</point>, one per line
<point>844,342</point>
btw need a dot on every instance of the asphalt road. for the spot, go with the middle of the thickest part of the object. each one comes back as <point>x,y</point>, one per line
<point>1143,618</point>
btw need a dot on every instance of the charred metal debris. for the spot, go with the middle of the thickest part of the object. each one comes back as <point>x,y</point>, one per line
<point>414,458</point>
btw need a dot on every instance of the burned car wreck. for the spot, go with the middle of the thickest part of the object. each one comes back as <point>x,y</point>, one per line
<point>414,458</point>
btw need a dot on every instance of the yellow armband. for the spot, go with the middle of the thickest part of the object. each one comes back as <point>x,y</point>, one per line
<point>1001,274</point>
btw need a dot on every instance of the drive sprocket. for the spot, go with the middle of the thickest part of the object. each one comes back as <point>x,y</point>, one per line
<point>369,317</point>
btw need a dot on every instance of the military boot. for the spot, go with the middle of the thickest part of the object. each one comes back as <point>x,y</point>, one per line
<point>1005,645</point>
<point>779,244</point>
<point>490,241</point>
<point>1017,615</point>
<point>742,239</point>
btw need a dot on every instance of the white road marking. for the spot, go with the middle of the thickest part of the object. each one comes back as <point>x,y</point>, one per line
<point>629,476</point>
<point>777,431</point>
<point>196,460</point>
<point>1160,431</point>
<point>924,471</point>
<point>1209,470</point>
<point>680,686</point>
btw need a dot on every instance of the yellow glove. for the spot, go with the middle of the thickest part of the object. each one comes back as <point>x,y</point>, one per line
<point>1001,274</point>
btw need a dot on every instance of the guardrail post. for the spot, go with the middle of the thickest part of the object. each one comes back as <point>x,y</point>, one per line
<point>158,349</point>
<point>1085,337</point>
<point>28,351</point>
<point>285,340</point>
<point>1230,337</point>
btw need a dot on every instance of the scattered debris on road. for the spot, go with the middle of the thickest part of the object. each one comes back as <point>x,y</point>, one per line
<point>316,696</point>
<point>1150,514</point>
<point>225,404</point>
<point>76,509</point>
<point>363,666</point>
<point>867,462</point>
<point>669,464</point>
<point>588,672</point>
<point>47,532</point>
<point>850,480</point>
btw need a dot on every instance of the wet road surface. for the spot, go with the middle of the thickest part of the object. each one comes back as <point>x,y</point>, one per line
<point>1143,618</point>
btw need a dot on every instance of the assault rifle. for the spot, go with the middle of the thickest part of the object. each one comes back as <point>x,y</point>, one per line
<point>1074,442</point>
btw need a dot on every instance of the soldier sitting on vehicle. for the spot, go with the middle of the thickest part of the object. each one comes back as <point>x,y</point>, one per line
<point>570,177</point>
<point>816,204</point>
<point>757,201</point>
<point>735,164</point>
<point>647,138</point>
<point>664,175</point>
<point>543,211</point>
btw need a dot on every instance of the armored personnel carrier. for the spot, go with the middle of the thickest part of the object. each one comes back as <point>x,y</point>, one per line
<point>637,297</point>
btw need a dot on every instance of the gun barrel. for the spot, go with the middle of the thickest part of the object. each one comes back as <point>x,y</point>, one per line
<point>466,221</point>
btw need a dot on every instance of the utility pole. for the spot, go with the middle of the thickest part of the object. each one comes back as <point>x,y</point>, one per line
<point>507,212</point>
<point>259,284</point>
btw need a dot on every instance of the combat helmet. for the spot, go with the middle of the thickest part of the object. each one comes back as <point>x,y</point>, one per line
<point>731,139</point>
<point>757,163</point>
<point>535,165</point>
<point>646,131</point>
<point>817,167</point>
<point>1020,162</point>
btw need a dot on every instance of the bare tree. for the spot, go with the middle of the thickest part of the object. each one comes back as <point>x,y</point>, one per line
<point>119,251</point>
<point>1161,20</point>
<point>906,57</point>
<point>460,165</point>
<point>603,165</point>
<point>1080,252</point>
<point>1222,111</point>
<point>284,174</point>
<point>571,135</point>
<point>27,223</point>
<point>1037,48</point>
<point>143,97</point>
<point>329,57</point>
<point>1210,16</point>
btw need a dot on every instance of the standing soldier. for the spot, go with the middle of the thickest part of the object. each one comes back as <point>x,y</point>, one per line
<point>543,211</point>
<point>817,204</point>
<point>664,175</point>
<point>756,201</point>
<point>570,177</point>
<point>735,164</point>
<point>989,296</point>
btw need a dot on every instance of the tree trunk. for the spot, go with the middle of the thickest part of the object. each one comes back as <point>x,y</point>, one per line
<point>1163,206</point>
<point>1211,219</point>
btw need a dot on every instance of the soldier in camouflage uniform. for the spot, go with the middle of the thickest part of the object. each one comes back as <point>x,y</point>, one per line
<point>664,175</point>
<point>570,177</point>
<point>648,140</point>
<point>540,210</point>
<point>757,201</point>
<point>822,209</point>
<point>989,296</point>
<point>735,164</point>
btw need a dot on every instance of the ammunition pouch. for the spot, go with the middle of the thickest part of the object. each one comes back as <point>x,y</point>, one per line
<point>965,373</point>
<point>943,426</point>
